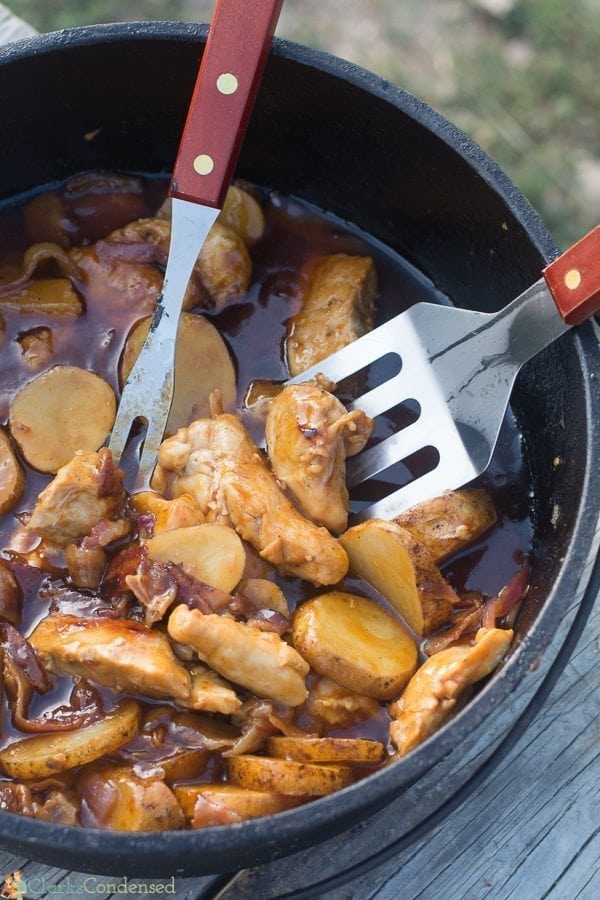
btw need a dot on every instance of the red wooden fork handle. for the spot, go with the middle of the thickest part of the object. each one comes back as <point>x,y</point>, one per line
<point>236,51</point>
<point>574,279</point>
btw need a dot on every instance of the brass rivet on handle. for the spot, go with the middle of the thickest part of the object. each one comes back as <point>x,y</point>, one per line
<point>204,164</point>
<point>573,279</point>
<point>227,83</point>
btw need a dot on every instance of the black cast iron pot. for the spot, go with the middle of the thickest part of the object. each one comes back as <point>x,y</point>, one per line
<point>353,144</point>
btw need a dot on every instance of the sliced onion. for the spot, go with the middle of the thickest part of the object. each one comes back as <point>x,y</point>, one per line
<point>508,598</point>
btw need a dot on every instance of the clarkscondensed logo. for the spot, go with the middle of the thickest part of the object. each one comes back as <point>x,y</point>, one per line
<point>15,887</point>
<point>12,886</point>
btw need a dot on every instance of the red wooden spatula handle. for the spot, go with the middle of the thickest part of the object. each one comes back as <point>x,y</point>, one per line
<point>236,51</point>
<point>574,279</point>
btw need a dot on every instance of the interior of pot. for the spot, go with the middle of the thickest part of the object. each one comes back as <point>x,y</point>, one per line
<point>115,97</point>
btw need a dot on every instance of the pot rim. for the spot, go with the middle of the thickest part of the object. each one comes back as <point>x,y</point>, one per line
<point>370,793</point>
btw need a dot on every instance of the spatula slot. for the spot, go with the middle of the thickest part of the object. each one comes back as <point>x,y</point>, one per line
<point>394,477</point>
<point>368,377</point>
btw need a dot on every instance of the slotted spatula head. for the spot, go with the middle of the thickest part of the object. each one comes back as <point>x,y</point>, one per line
<point>459,368</point>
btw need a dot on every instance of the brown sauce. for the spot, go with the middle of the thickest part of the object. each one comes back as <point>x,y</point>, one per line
<point>254,327</point>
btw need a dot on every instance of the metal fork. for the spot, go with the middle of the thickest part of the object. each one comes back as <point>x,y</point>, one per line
<point>460,367</point>
<point>236,51</point>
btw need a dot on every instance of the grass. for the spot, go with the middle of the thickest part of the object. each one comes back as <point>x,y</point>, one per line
<point>519,76</point>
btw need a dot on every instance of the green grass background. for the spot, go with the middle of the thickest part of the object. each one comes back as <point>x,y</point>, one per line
<point>519,76</point>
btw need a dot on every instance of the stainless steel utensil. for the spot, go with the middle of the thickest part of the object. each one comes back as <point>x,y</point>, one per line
<point>238,43</point>
<point>460,366</point>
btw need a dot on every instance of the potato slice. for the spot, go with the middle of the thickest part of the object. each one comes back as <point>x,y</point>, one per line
<point>356,643</point>
<point>449,523</point>
<point>211,553</point>
<point>264,595</point>
<point>399,567</point>
<point>136,803</point>
<point>285,776</point>
<point>205,805</point>
<point>12,477</point>
<point>327,749</point>
<point>48,296</point>
<point>202,365</point>
<point>63,410</point>
<point>244,214</point>
<point>46,754</point>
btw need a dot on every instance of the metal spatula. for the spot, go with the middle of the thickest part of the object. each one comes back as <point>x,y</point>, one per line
<point>460,366</point>
<point>238,43</point>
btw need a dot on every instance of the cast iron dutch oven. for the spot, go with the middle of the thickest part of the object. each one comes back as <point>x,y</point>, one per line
<point>353,144</point>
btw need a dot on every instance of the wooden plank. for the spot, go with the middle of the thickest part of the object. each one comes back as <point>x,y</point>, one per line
<point>12,28</point>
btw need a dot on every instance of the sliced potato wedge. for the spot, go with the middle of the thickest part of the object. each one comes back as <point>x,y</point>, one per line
<point>46,754</point>
<point>400,568</point>
<point>265,595</point>
<point>449,523</point>
<point>12,477</point>
<point>63,410</point>
<point>356,643</point>
<point>47,296</point>
<point>137,803</point>
<point>284,776</point>
<point>202,365</point>
<point>211,553</point>
<point>327,749</point>
<point>243,213</point>
<point>205,805</point>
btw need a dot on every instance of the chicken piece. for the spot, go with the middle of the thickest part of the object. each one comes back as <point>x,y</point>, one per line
<point>119,653</point>
<point>150,239</point>
<point>257,660</point>
<point>433,691</point>
<point>224,265</point>
<point>210,693</point>
<point>36,347</point>
<point>86,566</point>
<point>84,491</point>
<point>167,515</point>
<point>335,705</point>
<point>129,285</point>
<point>216,461</point>
<point>309,434</point>
<point>338,308</point>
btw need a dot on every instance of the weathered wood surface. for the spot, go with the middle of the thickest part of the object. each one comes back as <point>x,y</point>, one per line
<point>531,831</point>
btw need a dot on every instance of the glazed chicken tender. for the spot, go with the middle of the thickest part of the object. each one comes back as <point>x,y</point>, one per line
<point>433,691</point>
<point>309,435</point>
<point>84,491</point>
<point>216,461</point>
<point>257,660</point>
<point>118,653</point>
<point>338,308</point>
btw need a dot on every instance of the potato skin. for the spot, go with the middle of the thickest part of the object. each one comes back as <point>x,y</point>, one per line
<point>205,805</point>
<point>288,777</point>
<point>447,524</point>
<point>400,568</point>
<point>356,643</point>
<point>46,754</point>
<point>327,749</point>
